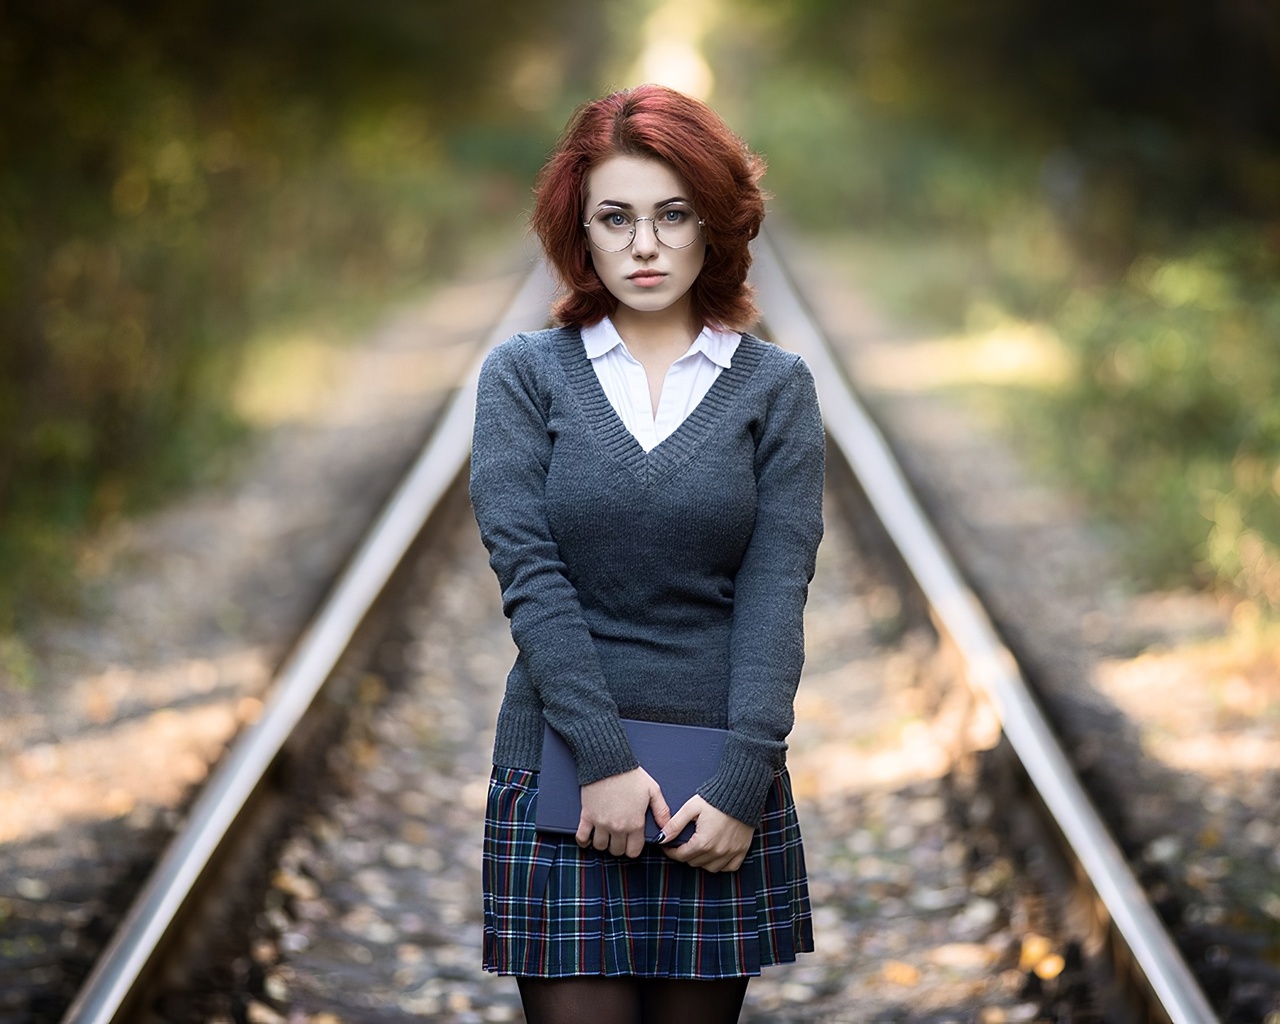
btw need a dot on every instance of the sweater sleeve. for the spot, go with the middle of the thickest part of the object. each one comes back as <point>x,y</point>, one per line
<point>767,639</point>
<point>511,452</point>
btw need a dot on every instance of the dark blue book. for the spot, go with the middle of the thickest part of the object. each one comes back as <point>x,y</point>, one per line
<point>679,757</point>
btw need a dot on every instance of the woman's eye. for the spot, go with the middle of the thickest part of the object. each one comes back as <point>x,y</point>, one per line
<point>674,215</point>
<point>616,220</point>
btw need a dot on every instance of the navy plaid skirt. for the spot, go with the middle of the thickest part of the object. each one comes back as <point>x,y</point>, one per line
<point>553,909</point>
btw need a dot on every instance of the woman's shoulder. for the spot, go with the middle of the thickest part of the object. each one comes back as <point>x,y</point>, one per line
<point>784,387</point>
<point>774,365</point>
<point>530,351</point>
<point>535,344</point>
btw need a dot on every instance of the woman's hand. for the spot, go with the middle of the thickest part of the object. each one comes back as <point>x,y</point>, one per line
<point>613,812</point>
<point>719,842</point>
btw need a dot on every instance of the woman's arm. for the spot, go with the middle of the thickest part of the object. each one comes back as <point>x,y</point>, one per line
<point>511,452</point>
<point>767,640</point>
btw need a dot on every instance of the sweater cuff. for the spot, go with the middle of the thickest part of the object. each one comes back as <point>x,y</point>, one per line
<point>740,787</point>
<point>600,748</point>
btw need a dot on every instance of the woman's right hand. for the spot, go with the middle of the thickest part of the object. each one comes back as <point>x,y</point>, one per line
<point>613,811</point>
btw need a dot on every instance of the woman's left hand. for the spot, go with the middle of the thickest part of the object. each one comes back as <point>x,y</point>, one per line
<point>719,842</point>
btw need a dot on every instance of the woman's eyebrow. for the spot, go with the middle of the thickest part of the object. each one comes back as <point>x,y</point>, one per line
<point>627,206</point>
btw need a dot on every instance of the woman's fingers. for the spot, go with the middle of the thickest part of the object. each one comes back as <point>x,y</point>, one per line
<point>676,824</point>
<point>727,862</point>
<point>719,842</point>
<point>715,860</point>
<point>658,807</point>
<point>613,815</point>
<point>629,844</point>
<point>613,812</point>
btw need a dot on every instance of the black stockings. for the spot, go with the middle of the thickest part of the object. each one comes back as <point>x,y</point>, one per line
<point>596,1000</point>
<point>682,1001</point>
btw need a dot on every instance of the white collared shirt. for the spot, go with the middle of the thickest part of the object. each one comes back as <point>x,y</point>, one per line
<point>688,380</point>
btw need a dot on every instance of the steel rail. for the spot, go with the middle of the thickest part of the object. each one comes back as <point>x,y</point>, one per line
<point>135,943</point>
<point>990,663</point>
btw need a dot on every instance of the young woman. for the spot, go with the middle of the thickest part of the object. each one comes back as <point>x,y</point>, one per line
<point>648,482</point>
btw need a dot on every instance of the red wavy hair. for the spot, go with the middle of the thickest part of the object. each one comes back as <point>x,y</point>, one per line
<point>723,176</point>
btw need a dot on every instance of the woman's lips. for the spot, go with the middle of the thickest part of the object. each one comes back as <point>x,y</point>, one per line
<point>646,278</point>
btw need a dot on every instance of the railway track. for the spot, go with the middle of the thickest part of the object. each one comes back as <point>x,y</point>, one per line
<point>374,893</point>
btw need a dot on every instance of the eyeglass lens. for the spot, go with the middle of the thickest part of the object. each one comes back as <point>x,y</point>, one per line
<point>675,226</point>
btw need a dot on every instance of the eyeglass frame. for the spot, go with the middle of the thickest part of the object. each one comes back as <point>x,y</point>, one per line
<point>586,227</point>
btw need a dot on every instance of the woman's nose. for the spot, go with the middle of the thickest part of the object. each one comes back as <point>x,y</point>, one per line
<point>645,241</point>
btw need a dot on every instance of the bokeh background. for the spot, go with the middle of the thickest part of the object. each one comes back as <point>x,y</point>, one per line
<point>194,193</point>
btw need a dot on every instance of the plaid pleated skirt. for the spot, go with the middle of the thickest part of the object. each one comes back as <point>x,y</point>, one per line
<point>553,909</point>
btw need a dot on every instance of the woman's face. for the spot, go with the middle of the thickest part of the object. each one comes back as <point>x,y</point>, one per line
<point>645,276</point>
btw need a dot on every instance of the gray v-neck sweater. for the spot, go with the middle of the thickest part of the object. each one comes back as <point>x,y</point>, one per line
<point>667,585</point>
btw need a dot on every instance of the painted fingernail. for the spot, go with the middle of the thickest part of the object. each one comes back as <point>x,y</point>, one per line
<point>661,837</point>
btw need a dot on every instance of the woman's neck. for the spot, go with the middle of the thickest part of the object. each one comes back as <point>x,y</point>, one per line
<point>667,330</point>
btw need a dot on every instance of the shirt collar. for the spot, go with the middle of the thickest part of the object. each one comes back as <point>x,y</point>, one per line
<point>718,346</point>
<point>600,338</point>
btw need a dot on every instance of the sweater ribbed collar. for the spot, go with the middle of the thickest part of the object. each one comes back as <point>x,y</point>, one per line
<point>682,444</point>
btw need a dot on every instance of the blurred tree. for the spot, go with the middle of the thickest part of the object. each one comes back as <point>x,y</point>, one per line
<point>174,171</point>
<point>1169,108</point>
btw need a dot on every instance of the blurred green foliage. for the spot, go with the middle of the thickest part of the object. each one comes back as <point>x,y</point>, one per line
<point>1174,420</point>
<point>1170,110</point>
<point>176,174</point>
<point>1108,169</point>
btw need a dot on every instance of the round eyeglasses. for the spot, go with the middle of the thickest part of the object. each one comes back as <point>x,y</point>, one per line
<point>612,229</point>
